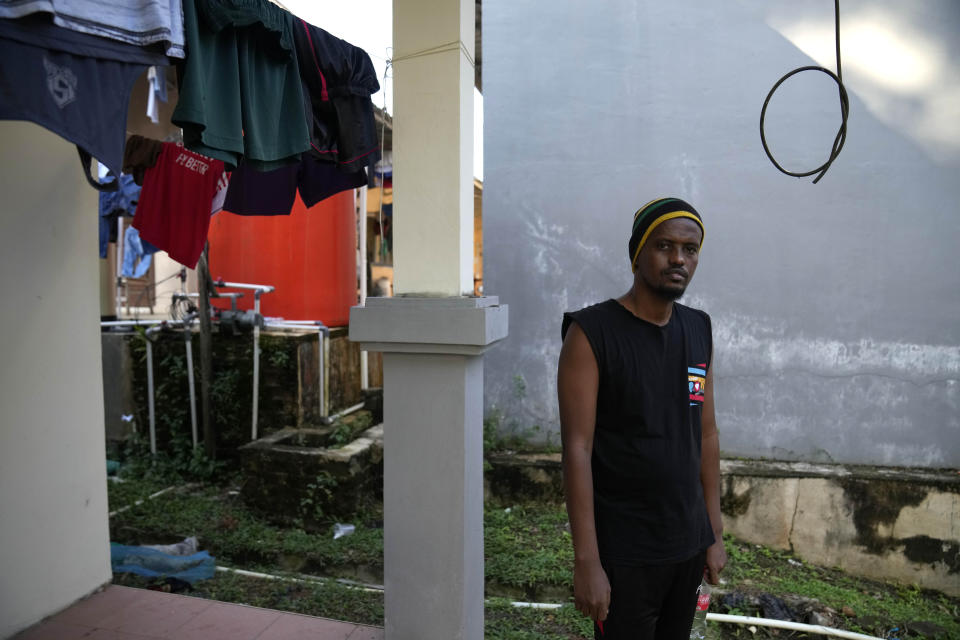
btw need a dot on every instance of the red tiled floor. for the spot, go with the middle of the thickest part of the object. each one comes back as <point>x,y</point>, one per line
<point>293,627</point>
<point>222,621</point>
<point>156,615</point>
<point>367,633</point>
<point>122,613</point>
<point>111,634</point>
<point>100,605</point>
<point>54,630</point>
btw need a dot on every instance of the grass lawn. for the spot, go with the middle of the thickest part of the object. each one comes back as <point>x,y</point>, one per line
<point>528,557</point>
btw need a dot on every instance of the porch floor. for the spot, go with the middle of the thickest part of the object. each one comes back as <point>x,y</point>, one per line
<point>124,613</point>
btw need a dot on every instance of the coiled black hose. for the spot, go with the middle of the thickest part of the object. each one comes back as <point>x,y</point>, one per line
<point>844,110</point>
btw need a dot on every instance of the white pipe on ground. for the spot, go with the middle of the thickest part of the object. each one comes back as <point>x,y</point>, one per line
<point>352,584</point>
<point>785,624</point>
<point>713,617</point>
<point>139,502</point>
<point>267,576</point>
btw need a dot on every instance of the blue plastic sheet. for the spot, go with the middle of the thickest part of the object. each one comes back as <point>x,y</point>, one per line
<point>155,564</point>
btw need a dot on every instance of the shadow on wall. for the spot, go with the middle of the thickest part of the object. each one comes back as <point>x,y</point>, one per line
<point>900,60</point>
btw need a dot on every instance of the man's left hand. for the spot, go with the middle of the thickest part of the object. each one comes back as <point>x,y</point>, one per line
<point>716,560</point>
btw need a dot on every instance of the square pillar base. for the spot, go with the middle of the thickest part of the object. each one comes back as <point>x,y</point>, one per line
<point>433,458</point>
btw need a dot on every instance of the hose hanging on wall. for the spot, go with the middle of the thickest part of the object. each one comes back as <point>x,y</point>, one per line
<point>844,110</point>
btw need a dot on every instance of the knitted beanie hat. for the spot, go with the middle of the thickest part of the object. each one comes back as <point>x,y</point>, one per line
<point>646,219</point>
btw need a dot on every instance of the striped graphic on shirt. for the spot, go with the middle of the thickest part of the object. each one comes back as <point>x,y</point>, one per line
<point>696,383</point>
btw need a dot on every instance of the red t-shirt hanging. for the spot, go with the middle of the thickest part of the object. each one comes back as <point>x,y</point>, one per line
<point>173,213</point>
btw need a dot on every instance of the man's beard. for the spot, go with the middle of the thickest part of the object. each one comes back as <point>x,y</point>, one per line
<point>669,293</point>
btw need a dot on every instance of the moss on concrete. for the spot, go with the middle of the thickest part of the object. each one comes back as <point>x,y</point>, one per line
<point>732,504</point>
<point>876,504</point>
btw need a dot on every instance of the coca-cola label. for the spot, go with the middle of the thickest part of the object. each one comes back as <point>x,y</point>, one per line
<point>703,602</point>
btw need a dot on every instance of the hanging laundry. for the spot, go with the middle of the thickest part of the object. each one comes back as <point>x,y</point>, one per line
<point>76,85</point>
<point>272,193</point>
<point>383,171</point>
<point>338,80</point>
<point>223,185</point>
<point>240,94</point>
<point>137,254</point>
<point>174,209</point>
<point>156,92</point>
<point>113,204</point>
<point>136,22</point>
<point>139,155</point>
<point>373,198</point>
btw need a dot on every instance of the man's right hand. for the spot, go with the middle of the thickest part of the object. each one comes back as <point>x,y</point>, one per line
<point>591,590</point>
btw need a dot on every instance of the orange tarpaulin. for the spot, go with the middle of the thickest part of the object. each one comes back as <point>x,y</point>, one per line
<point>309,256</point>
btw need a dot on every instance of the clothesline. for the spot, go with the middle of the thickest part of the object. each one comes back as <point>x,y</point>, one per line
<point>430,51</point>
<point>301,120</point>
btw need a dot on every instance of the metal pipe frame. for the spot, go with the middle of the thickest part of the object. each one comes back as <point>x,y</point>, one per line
<point>323,336</point>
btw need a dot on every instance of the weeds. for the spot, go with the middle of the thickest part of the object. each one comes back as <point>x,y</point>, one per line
<point>528,547</point>
<point>528,551</point>
<point>179,462</point>
<point>501,437</point>
<point>320,492</point>
<point>347,429</point>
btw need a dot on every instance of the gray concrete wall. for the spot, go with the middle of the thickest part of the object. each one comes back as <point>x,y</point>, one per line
<point>835,305</point>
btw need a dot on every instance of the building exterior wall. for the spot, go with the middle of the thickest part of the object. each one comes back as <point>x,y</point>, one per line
<point>834,305</point>
<point>53,495</point>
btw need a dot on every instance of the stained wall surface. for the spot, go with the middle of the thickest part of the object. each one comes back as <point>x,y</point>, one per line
<point>835,306</point>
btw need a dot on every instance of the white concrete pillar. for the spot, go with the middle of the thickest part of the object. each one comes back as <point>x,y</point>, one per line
<point>433,70</point>
<point>432,335</point>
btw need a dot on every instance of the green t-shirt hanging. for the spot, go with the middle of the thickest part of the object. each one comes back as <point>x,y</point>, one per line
<point>240,92</point>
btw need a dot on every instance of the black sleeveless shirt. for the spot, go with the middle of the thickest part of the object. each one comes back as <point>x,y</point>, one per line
<point>648,501</point>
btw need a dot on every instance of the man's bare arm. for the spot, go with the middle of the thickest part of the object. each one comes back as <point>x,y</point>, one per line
<point>578,380</point>
<point>710,480</point>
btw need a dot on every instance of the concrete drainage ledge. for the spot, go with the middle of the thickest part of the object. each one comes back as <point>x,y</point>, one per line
<point>944,478</point>
<point>884,523</point>
<point>298,474</point>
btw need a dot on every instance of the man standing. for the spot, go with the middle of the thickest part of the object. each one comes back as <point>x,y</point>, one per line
<point>640,447</point>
